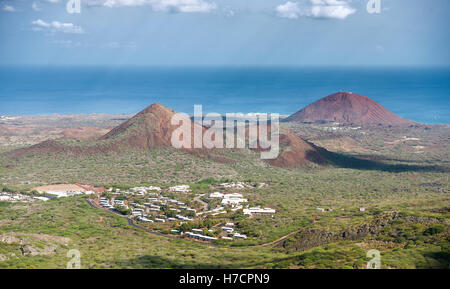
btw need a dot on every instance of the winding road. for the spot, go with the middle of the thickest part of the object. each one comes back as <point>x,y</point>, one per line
<point>204,204</point>
<point>133,224</point>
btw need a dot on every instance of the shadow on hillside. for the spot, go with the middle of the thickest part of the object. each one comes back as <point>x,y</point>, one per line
<point>158,262</point>
<point>352,162</point>
<point>394,159</point>
<point>443,257</point>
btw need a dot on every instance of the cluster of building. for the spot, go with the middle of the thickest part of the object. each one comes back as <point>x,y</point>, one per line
<point>228,230</point>
<point>106,204</point>
<point>142,191</point>
<point>61,194</point>
<point>13,197</point>
<point>152,210</point>
<point>145,190</point>
<point>232,199</point>
<point>235,201</point>
<point>331,210</point>
<point>180,189</point>
<point>215,211</point>
<point>200,236</point>
<point>156,205</point>
<point>336,126</point>
<point>236,185</point>
<point>258,210</point>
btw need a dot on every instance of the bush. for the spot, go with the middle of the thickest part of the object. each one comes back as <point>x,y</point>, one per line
<point>123,210</point>
<point>433,230</point>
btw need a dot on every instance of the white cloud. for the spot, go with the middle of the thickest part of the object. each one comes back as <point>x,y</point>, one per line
<point>52,1</point>
<point>187,6</point>
<point>35,7</point>
<point>9,8</point>
<point>325,9</point>
<point>289,10</point>
<point>56,26</point>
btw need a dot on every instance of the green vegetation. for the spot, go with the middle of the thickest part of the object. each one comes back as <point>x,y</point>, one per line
<point>414,184</point>
<point>123,210</point>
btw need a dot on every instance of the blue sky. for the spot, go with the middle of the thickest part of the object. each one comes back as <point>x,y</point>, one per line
<point>225,32</point>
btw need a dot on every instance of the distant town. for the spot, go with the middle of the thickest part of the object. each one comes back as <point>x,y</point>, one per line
<point>171,210</point>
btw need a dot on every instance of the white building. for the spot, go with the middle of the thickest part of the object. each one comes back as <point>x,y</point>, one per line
<point>41,198</point>
<point>233,196</point>
<point>143,219</point>
<point>63,194</point>
<point>238,185</point>
<point>258,210</point>
<point>145,189</point>
<point>180,189</point>
<point>233,201</point>
<point>240,236</point>
<point>228,229</point>
<point>216,195</point>
<point>183,218</point>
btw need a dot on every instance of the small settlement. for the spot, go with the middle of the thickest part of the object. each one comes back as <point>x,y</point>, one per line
<point>178,211</point>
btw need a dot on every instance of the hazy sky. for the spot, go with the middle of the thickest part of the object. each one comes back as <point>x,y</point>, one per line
<point>225,32</point>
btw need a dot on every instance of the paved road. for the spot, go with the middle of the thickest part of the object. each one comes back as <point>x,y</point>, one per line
<point>204,204</point>
<point>279,239</point>
<point>132,223</point>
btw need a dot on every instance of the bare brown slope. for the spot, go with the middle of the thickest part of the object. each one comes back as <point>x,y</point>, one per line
<point>152,128</point>
<point>296,152</point>
<point>149,129</point>
<point>347,107</point>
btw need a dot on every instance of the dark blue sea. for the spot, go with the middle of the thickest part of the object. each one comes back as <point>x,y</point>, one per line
<point>420,94</point>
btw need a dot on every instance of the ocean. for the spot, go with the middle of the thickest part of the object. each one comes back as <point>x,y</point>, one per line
<point>419,94</point>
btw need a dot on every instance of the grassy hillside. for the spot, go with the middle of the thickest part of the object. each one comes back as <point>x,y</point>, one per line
<point>394,179</point>
<point>107,241</point>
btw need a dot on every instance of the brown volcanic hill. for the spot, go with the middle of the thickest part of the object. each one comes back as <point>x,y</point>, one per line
<point>347,107</point>
<point>149,128</point>
<point>296,152</point>
<point>152,128</point>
